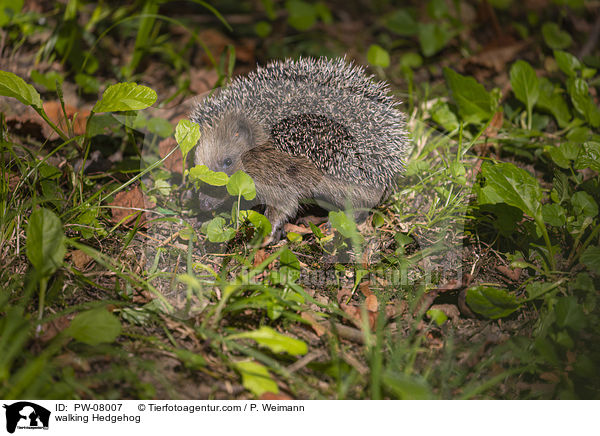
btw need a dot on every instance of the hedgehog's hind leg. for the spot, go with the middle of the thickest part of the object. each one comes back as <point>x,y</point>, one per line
<point>278,217</point>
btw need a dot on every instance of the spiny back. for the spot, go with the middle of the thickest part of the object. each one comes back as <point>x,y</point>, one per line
<point>329,111</point>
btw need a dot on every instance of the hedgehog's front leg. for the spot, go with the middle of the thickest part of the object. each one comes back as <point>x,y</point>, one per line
<point>277,218</point>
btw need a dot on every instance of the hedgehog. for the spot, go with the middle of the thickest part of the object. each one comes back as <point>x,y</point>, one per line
<point>311,129</point>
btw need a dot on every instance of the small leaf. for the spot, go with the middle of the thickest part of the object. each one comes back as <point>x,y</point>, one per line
<point>256,378</point>
<point>301,15</point>
<point>95,327</point>
<point>525,83</point>
<point>45,241</point>
<point>402,23</point>
<point>550,99</point>
<point>474,102</point>
<point>160,127</point>
<point>242,184</point>
<point>554,37</point>
<point>433,37</point>
<point>217,232</point>
<point>569,313</point>
<point>290,266</point>
<point>589,156</point>
<point>276,342</point>
<point>378,56</point>
<point>125,97</point>
<point>343,224</point>
<point>438,316</point>
<point>258,220</point>
<point>582,101</point>
<point>554,214</point>
<point>591,259</point>
<point>584,204</point>
<point>567,63</point>
<point>13,86</point>
<point>213,178</point>
<point>505,183</point>
<point>187,134</point>
<point>491,302</point>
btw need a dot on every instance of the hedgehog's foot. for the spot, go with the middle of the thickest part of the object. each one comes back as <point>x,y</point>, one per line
<point>277,217</point>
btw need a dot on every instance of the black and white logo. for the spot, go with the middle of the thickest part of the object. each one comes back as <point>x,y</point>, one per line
<point>26,415</point>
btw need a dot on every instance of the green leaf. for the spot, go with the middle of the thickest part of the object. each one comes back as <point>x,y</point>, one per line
<point>8,9</point>
<point>13,86</point>
<point>591,259</point>
<point>474,103</point>
<point>263,29</point>
<point>45,241</point>
<point>276,342</point>
<point>378,56</point>
<point>584,204</point>
<point>290,266</point>
<point>589,157</point>
<point>406,387</point>
<point>554,214</point>
<point>256,378</point>
<point>47,80</point>
<point>258,220</point>
<point>567,63</point>
<point>438,316</point>
<point>442,115</point>
<point>437,9</point>
<point>301,15</point>
<point>505,183</point>
<point>402,23</point>
<point>189,359</point>
<point>217,232</point>
<point>569,313</point>
<point>578,90</point>
<point>242,184</point>
<point>491,302</point>
<point>551,100</point>
<point>213,178</point>
<point>343,224</point>
<point>160,127</point>
<point>433,37</point>
<point>94,327</point>
<point>554,37</point>
<point>563,154</point>
<point>187,134</point>
<point>525,83</point>
<point>125,97</point>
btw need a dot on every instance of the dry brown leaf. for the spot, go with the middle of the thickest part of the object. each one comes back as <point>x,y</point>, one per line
<point>174,162</point>
<point>365,289</point>
<point>54,111</point>
<point>272,396</point>
<point>127,203</point>
<point>343,295</point>
<point>495,125</point>
<point>371,303</point>
<point>512,274</point>
<point>301,230</point>
<point>80,259</point>
<point>318,328</point>
<point>54,327</point>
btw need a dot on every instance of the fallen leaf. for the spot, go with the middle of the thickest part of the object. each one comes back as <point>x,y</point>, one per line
<point>174,162</point>
<point>80,259</point>
<point>127,204</point>
<point>371,303</point>
<point>318,328</point>
<point>55,113</point>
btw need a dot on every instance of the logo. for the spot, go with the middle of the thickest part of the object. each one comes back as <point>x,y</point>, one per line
<point>26,415</point>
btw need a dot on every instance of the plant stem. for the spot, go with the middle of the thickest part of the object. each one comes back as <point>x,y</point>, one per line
<point>42,114</point>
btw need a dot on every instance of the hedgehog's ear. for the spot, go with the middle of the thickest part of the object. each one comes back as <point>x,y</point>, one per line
<point>243,129</point>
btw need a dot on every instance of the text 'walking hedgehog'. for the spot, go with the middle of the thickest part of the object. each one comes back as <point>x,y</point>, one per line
<point>305,129</point>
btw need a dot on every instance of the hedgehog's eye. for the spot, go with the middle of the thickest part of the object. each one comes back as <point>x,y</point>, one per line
<point>227,163</point>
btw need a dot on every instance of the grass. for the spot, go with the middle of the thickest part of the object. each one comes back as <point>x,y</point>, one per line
<point>477,278</point>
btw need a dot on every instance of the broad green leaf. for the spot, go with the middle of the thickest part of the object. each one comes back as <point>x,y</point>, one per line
<point>584,204</point>
<point>343,224</point>
<point>402,23</point>
<point>276,342</point>
<point>589,156</point>
<point>491,302</point>
<point>554,214</point>
<point>505,183</point>
<point>438,316</point>
<point>554,37</point>
<point>301,15</point>
<point>13,86</point>
<point>563,154</point>
<point>474,103</point>
<point>406,387</point>
<point>537,289</point>
<point>189,359</point>
<point>433,37</point>
<point>125,97</point>
<point>256,378</point>
<point>442,115</point>
<point>258,220</point>
<point>8,8</point>
<point>378,56</point>
<point>551,100</point>
<point>187,134</point>
<point>591,259</point>
<point>93,327</point>
<point>525,83</point>
<point>578,90</point>
<point>569,313</point>
<point>217,232</point>
<point>45,241</point>
<point>213,178</point>
<point>160,127</point>
<point>290,266</point>
<point>242,184</point>
<point>567,63</point>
